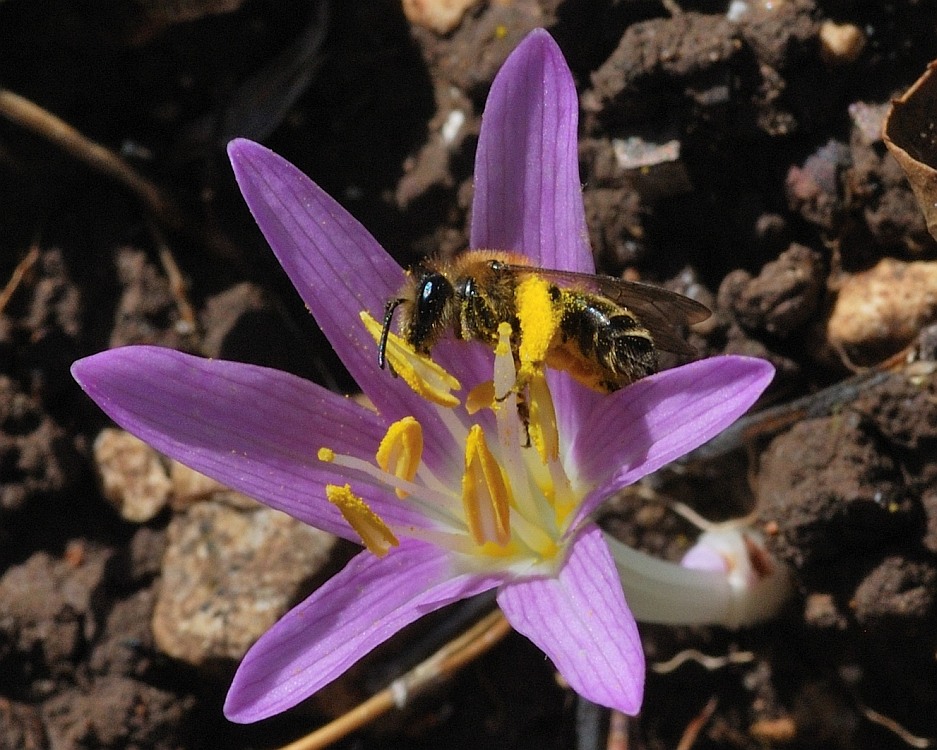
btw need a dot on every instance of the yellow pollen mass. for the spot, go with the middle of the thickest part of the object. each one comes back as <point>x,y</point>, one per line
<point>486,494</point>
<point>326,454</point>
<point>539,318</point>
<point>401,450</point>
<point>426,378</point>
<point>374,533</point>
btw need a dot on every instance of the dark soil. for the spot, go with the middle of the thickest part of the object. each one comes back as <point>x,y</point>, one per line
<point>774,194</point>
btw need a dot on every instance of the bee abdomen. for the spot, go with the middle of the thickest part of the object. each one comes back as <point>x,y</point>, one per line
<point>626,348</point>
<point>610,337</point>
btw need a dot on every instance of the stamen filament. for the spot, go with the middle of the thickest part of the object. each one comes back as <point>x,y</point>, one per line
<point>533,536</point>
<point>458,542</point>
<point>509,425</point>
<point>442,506</point>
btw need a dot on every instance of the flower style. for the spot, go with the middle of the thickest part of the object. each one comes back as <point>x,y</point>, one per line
<point>445,494</point>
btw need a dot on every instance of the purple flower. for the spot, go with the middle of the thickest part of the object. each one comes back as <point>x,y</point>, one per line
<point>448,504</point>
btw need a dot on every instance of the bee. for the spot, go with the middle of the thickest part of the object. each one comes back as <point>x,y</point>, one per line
<point>609,331</point>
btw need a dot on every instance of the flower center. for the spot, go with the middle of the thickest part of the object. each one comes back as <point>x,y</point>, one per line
<point>512,502</point>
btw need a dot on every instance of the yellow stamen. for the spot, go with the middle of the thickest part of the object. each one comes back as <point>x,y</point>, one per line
<point>482,396</point>
<point>427,379</point>
<point>486,495</point>
<point>400,451</point>
<point>542,428</point>
<point>539,318</point>
<point>374,533</point>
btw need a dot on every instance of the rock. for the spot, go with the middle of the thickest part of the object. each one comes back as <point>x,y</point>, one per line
<point>47,619</point>
<point>841,43</point>
<point>147,312</point>
<point>228,575</point>
<point>126,644</point>
<point>879,311</point>
<point>190,487</point>
<point>441,16</point>
<point>133,476</point>
<point>21,726</point>
<point>815,190</point>
<point>117,712</point>
<point>897,594</point>
<point>782,298</point>
<point>37,458</point>
<point>834,489</point>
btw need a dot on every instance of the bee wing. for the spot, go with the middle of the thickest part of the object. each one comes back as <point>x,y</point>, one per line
<point>661,311</point>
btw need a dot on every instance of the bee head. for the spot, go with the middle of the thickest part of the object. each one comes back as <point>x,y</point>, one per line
<point>426,314</point>
<point>434,294</point>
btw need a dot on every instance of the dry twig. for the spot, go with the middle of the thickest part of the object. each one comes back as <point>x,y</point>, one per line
<point>439,667</point>
<point>696,725</point>
<point>31,116</point>
<point>16,278</point>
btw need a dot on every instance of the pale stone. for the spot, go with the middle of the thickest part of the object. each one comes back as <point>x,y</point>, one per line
<point>228,575</point>
<point>133,476</point>
<point>881,310</point>
<point>841,42</point>
<point>190,487</point>
<point>441,16</point>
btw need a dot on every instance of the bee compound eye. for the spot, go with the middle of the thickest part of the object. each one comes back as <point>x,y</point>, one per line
<point>436,290</point>
<point>434,295</point>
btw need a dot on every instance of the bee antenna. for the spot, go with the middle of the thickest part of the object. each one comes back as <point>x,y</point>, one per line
<point>392,304</point>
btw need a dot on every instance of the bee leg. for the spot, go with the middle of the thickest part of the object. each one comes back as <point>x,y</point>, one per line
<point>523,412</point>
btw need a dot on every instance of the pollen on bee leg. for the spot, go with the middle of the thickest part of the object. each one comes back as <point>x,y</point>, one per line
<point>401,450</point>
<point>374,533</point>
<point>486,494</point>
<point>539,318</point>
<point>426,378</point>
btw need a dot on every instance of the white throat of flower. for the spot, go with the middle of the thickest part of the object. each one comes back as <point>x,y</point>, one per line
<point>513,502</point>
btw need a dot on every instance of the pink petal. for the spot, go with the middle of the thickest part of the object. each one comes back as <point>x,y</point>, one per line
<point>581,621</point>
<point>639,429</point>
<point>254,429</point>
<point>528,197</point>
<point>339,269</point>
<point>355,611</point>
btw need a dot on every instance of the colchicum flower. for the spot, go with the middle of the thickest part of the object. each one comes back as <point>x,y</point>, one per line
<point>446,492</point>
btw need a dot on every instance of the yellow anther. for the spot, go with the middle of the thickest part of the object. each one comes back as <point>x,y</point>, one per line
<point>400,451</point>
<point>374,533</point>
<point>542,427</point>
<point>486,494</point>
<point>427,379</point>
<point>326,454</point>
<point>482,396</point>
<point>539,317</point>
